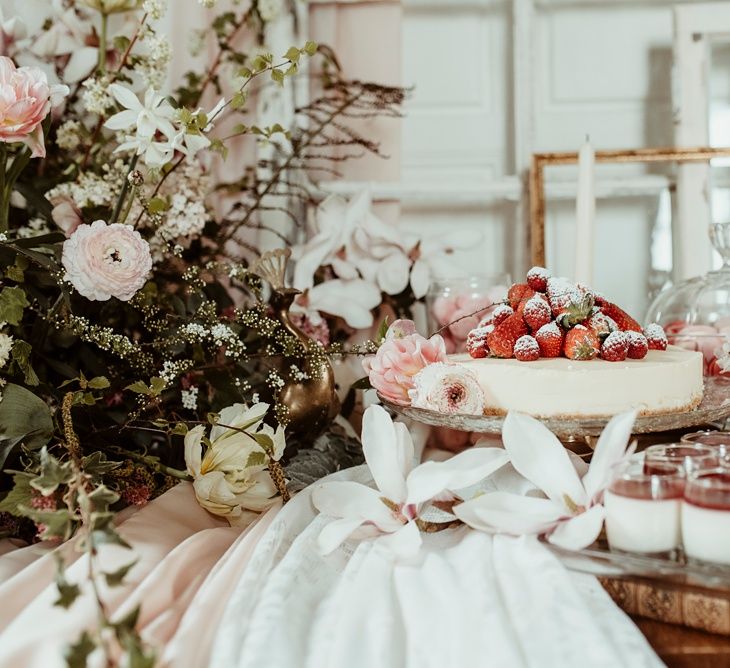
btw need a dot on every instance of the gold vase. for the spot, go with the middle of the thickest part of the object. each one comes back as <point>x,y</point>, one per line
<point>312,402</point>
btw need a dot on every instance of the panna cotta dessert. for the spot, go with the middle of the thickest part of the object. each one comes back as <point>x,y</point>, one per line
<point>643,511</point>
<point>556,349</point>
<point>662,382</point>
<point>713,438</point>
<point>706,516</point>
<point>690,456</point>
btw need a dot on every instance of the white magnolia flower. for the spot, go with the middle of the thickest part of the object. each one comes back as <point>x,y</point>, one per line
<point>230,479</point>
<point>391,511</point>
<point>12,30</point>
<point>352,300</point>
<point>571,512</point>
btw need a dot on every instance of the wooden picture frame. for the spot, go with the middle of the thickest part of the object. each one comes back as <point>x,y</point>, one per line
<point>642,155</point>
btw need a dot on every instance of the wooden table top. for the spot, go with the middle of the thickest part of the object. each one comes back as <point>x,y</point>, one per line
<point>682,647</point>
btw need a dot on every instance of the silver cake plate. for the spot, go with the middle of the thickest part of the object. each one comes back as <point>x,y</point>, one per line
<point>715,407</point>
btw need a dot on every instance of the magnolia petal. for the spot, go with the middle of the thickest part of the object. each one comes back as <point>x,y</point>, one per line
<point>386,449</point>
<point>611,447</point>
<point>580,531</point>
<point>420,278</point>
<point>352,300</point>
<point>502,512</point>
<point>404,543</point>
<point>458,472</point>
<point>537,454</point>
<point>193,457</point>
<point>351,500</point>
<point>336,533</point>
<point>392,273</point>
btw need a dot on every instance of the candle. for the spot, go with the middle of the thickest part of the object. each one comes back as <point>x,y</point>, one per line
<point>585,213</point>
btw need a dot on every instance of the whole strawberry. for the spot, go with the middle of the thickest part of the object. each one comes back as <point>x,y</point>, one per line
<point>518,293</point>
<point>570,303</point>
<point>550,339</point>
<point>526,349</point>
<point>537,278</point>
<point>476,341</point>
<point>536,313</point>
<point>500,313</point>
<point>656,337</point>
<point>615,347</point>
<point>581,344</point>
<point>638,345</point>
<point>501,340</point>
<point>601,325</point>
<point>622,319</point>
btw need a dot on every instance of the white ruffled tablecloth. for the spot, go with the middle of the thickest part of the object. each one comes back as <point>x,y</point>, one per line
<point>264,597</point>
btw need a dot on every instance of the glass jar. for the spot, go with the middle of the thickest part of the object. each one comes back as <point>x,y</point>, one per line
<point>456,305</point>
<point>696,313</point>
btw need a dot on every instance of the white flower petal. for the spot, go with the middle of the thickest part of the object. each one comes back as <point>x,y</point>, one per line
<point>420,278</point>
<point>458,472</point>
<point>125,97</point>
<point>393,273</point>
<point>580,531</point>
<point>121,121</point>
<point>404,543</point>
<point>502,512</point>
<point>351,500</point>
<point>193,455</point>
<point>610,448</point>
<point>386,448</point>
<point>336,533</point>
<point>352,301</point>
<point>538,455</point>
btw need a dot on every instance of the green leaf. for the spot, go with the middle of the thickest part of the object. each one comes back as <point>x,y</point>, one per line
<point>67,592</point>
<point>96,464</point>
<point>157,385</point>
<point>116,578</point>
<point>257,458</point>
<point>24,418</point>
<point>20,352</point>
<point>245,73</point>
<point>157,205</point>
<point>180,429</point>
<point>78,654</point>
<point>16,272</point>
<point>12,303</point>
<point>58,522</point>
<point>102,497</point>
<point>53,474</point>
<point>293,54</point>
<point>19,495</point>
<point>259,63</point>
<point>121,42</point>
<point>140,387</point>
<point>277,76</point>
<point>291,70</point>
<point>127,623</point>
<point>98,383</point>
<point>310,48</point>
<point>238,100</point>
<point>382,330</point>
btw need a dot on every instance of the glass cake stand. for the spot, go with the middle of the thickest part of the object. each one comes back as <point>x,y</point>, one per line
<point>715,407</point>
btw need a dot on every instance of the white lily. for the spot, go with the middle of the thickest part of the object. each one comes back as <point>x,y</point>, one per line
<point>391,511</point>
<point>571,513</point>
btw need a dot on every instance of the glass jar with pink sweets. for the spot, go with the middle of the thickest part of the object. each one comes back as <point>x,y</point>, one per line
<point>457,305</point>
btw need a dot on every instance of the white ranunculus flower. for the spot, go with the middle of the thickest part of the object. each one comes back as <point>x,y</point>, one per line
<point>447,388</point>
<point>230,478</point>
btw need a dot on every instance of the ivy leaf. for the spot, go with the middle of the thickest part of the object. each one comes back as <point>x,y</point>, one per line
<point>53,474</point>
<point>21,351</point>
<point>19,495</point>
<point>12,303</point>
<point>96,464</point>
<point>58,523</point>
<point>101,498</point>
<point>116,578</point>
<point>98,383</point>
<point>67,591</point>
<point>78,654</point>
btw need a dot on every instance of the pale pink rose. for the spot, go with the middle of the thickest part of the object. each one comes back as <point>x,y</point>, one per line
<point>447,388</point>
<point>104,261</point>
<point>398,360</point>
<point>66,214</point>
<point>25,100</point>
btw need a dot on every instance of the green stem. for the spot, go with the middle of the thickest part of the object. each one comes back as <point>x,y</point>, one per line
<point>102,43</point>
<point>125,188</point>
<point>128,207</point>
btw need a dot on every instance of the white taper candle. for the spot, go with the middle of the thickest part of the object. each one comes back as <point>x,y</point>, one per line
<point>585,214</point>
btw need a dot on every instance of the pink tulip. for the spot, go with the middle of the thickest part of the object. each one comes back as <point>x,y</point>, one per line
<point>398,360</point>
<point>25,100</point>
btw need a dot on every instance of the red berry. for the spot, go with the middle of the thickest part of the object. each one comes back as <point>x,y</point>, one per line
<point>527,349</point>
<point>581,344</point>
<point>502,340</point>
<point>615,347</point>
<point>537,278</point>
<point>624,321</point>
<point>571,304</point>
<point>476,341</point>
<point>655,337</point>
<point>601,325</point>
<point>519,292</point>
<point>536,313</point>
<point>550,339</point>
<point>501,313</point>
<point>638,345</point>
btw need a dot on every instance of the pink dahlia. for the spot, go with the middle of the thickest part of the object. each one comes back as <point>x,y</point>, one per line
<point>25,100</point>
<point>399,359</point>
<point>104,261</point>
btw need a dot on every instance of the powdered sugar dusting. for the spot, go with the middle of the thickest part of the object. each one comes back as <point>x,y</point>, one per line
<point>539,272</point>
<point>551,329</point>
<point>526,344</point>
<point>655,332</point>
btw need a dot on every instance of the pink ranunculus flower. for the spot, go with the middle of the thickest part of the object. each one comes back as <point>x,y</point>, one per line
<point>25,100</point>
<point>104,261</point>
<point>447,388</point>
<point>398,360</point>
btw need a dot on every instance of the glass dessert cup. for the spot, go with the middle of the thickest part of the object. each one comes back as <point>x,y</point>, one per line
<point>464,302</point>
<point>643,509</point>
<point>690,456</point>
<point>713,438</point>
<point>706,516</point>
